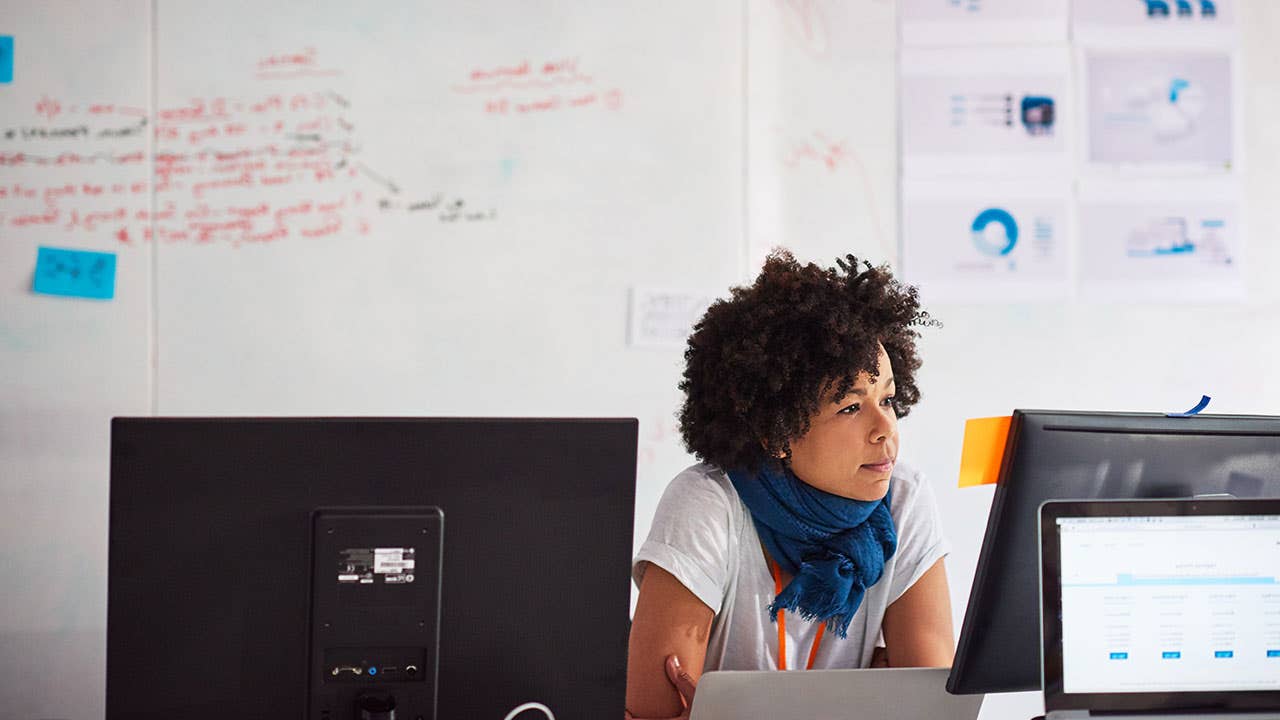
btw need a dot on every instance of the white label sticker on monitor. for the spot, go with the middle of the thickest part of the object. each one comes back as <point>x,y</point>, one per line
<point>368,566</point>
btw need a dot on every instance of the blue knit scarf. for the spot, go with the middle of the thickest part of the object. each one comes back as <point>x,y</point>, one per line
<point>834,548</point>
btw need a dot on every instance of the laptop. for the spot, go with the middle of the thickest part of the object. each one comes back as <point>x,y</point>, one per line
<point>871,694</point>
<point>1160,609</point>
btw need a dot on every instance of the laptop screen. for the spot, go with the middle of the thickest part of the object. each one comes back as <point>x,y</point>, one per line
<point>1168,599</point>
<point>1170,604</point>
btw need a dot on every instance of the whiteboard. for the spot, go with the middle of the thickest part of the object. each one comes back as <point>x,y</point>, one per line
<point>399,209</point>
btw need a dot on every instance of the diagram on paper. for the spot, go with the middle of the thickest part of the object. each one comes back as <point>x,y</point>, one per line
<point>991,248</point>
<point>1161,109</point>
<point>984,115</point>
<point>985,112</point>
<point>1176,235</point>
<point>1187,251</point>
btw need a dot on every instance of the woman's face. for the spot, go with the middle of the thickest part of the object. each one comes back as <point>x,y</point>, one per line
<point>852,442</point>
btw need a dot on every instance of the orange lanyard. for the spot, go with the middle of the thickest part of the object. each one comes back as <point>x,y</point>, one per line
<point>782,625</point>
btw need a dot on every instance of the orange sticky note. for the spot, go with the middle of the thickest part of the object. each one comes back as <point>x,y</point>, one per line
<point>983,451</point>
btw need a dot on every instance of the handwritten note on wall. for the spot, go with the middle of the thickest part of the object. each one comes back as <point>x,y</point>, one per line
<point>279,162</point>
<point>75,273</point>
<point>74,166</point>
<point>6,58</point>
<point>554,85</point>
<point>664,318</point>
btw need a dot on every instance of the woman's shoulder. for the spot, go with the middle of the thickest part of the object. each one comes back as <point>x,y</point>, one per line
<point>695,533</point>
<point>701,498</point>
<point>908,486</point>
<point>703,482</point>
<point>904,473</point>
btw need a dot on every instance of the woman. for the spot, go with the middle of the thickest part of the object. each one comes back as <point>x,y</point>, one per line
<point>800,540</point>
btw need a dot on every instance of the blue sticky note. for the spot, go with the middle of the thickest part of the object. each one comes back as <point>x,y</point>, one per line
<point>75,273</point>
<point>6,58</point>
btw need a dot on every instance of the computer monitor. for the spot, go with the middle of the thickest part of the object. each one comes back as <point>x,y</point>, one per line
<point>297,567</point>
<point>1055,455</point>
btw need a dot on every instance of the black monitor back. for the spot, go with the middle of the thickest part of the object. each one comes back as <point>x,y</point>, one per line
<point>1076,455</point>
<point>209,568</point>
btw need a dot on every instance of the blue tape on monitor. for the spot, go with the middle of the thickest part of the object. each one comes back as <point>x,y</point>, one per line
<point>75,273</point>
<point>1204,403</point>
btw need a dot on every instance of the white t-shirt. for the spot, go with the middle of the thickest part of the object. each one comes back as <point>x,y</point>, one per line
<point>703,534</point>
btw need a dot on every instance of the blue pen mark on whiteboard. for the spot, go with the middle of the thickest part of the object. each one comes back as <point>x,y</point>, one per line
<point>6,58</point>
<point>75,273</point>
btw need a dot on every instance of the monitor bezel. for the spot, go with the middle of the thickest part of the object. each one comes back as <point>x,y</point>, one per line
<point>1051,667</point>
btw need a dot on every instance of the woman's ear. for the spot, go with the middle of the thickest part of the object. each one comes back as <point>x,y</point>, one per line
<point>780,454</point>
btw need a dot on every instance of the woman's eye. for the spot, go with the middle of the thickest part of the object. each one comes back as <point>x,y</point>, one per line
<point>887,402</point>
<point>849,410</point>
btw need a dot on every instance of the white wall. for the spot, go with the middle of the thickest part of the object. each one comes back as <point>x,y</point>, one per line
<point>990,358</point>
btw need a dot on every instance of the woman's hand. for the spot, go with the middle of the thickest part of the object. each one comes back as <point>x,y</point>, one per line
<point>683,683</point>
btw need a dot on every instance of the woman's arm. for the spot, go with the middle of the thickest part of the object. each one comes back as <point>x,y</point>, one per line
<point>917,626</point>
<point>669,620</point>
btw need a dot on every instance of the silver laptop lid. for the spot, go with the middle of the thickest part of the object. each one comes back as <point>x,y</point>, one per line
<point>1160,605</point>
<point>879,694</point>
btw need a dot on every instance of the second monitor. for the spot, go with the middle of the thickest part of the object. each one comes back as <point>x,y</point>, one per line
<point>258,566</point>
<point>1080,455</point>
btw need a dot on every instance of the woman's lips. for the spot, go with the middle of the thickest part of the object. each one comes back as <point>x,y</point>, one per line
<point>884,466</point>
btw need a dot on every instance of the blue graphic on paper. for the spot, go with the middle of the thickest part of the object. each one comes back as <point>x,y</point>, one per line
<point>1171,236</point>
<point>995,246</point>
<point>1175,87</point>
<point>1157,8</point>
<point>1037,114</point>
<point>75,273</point>
<point>6,58</point>
<point>1043,230</point>
<point>1185,9</point>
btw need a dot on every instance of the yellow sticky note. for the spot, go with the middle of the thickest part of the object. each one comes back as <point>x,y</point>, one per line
<point>984,440</point>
